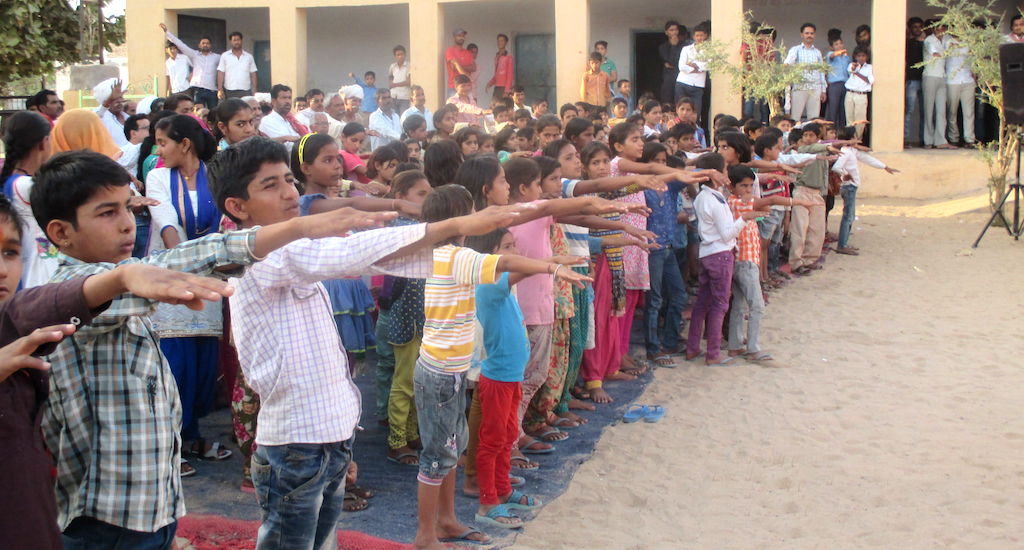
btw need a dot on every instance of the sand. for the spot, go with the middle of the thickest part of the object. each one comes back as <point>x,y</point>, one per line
<point>893,416</point>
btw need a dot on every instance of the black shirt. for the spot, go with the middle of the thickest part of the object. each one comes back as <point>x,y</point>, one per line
<point>915,55</point>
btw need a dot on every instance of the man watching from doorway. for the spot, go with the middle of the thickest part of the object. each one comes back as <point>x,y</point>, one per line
<point>809,94</point>
<point>693,71</point>
<point>458,59</point>
<point>914,74</point>
<point>178,69</point>
<point>204,68</point>
<point>236,72</point>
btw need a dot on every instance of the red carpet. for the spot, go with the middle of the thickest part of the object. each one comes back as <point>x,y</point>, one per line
<point>217,533</point>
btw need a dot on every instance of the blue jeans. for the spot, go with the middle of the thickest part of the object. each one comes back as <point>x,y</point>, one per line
<point>666,282</point>
<point>849,193</point>
<point>441,409</point>
<point>756,110</point>
<point>141,236</point>
<point>206,97</point>
<point>914,98</point>
<point>301,490</point>
<point>87,533</point>
<point>385,363</point>
<point>775,242</point>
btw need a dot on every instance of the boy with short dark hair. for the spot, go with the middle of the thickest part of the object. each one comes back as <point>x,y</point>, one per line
<point>368,84</point>
<point>567,112</point>
<point>521,118</point>
<point>540,107</point>
<point>113,418</point>
<point>620,109</point>
<point>287,341</point>
<point>469,111</point>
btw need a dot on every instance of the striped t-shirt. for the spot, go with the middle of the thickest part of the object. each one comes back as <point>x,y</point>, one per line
<point>450,306</point>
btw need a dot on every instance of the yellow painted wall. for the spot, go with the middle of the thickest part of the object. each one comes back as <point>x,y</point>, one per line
<point>925,174</point>
<point>888,44</point>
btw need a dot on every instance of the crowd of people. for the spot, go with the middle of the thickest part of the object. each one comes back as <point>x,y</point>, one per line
<point>493,261</point>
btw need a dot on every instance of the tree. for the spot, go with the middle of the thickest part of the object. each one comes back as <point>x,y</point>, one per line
<point>35,37</point>
<point>975,27</point>
<point>760,76</point>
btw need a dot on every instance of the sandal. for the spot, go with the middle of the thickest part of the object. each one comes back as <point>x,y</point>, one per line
<point>760,357</point>
<point>664,361</point>
<point>353,503</point>
<point>849,251</point>
<point>215,452</point>
<point>523,463</point>
<point>564,423</point>
<point>186,469</point>
<point>516,498</point>
<point>528,448</point>
<point>546,434</point>
<point>579,393</point>
<point>500,511</point>
<point>359,491</point>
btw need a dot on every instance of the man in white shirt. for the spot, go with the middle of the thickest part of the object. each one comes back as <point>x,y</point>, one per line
<point>858,86</point>
<point>419,107</point>
<point>959,90</point>
<point>933,85</point>
<point>314,104</point>
<point>179,69</point>
<point>808,96</point>
<point>111,110</point>
<point>398,79</point>
<point>204,68</point>
<point>236,71</point>
<point>1016,35</point>
<point>280,125</point>
<point>334,109</point>
<point>693,73</point>
<point>384,121</point>
<point>136,129</point>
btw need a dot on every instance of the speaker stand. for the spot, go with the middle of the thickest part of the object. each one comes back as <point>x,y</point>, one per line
<point>1016,229</point>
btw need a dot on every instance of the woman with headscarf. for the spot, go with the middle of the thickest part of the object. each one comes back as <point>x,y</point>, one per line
<point>82,129</point>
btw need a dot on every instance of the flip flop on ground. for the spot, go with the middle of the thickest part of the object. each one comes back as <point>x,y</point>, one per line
<point>531,448</point>
<point>515,501</point>
<point>548,434</point>
<point>759,357</point>
<point>654,414</point>
<point>634,413</point>
<point>401,459</point>
<point>663,360</point>
<point>211,452</point>
<point>497,513</point>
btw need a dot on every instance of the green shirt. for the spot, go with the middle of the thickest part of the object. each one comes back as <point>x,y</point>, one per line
<point>814,174</point>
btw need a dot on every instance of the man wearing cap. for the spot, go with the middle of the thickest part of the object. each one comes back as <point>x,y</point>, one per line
<point>111,110</point>
<point>458,59</point>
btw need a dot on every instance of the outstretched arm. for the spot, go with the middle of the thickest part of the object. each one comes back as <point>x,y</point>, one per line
<point>527,266</point>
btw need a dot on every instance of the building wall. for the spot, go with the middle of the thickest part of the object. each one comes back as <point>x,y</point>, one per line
<point>253,23</point>
<point>353,39</point>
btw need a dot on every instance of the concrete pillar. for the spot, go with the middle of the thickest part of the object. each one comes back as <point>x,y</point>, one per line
<point>426,51</point>
<point>147,42</point>
<point>889,45</point>
<point>572,46</point>
<point>726,19</point>
<point>288,46</point>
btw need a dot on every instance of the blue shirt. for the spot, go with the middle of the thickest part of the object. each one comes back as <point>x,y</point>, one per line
<point>508,348</point>
<point>840,65</point>
<point>369,101</point>
<point>664,208</point>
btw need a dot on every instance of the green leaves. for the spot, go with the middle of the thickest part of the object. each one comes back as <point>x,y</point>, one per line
<point>35,35</point>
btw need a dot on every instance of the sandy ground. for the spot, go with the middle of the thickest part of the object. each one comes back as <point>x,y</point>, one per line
<point>892,417</point>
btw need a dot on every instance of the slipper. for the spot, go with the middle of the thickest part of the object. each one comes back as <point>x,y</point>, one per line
<point>564,423</point>
<point>216,452</point>
<point>681,350</point>
<point>526,449</point>
<point>760,357</point>
<point>849,251</point>
<point>464,537</point>
<point>729,362</point>
<point>654,414</point>
<point>529,464</point>
<point>554,433</point>
<point>352,503</point>
<point>698,356</point>
<point>634,413</point>
<point>186,473</point>
<point>398,459</point>
<point>359,491</point>
<point>515,498</point>
<point>815,267</point>
<point>664,361</point>
<point>499,511</point>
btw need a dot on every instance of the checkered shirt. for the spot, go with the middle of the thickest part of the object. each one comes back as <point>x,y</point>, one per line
<point>749,239</point>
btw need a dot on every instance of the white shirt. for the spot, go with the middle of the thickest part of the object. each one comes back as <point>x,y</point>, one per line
<point>400,74</point>
<point>389,128</point>
<point>688,75</point>
<point>130,157</point>
<point>38,255</point>
<point>847,164</point>
<point>204,66</point>
<point>305,116</point>
<point>287,342</point>
<point>178,69</point>
<point>275,126</point>
<point>856,83</point>
<point>114,125</point>
<point>718,229</point>
<point>934,66</point>
<point>425,113</point>
<point>958,67</point>
<point>236,70</point>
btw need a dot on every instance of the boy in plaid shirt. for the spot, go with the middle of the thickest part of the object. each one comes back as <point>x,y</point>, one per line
<point>746,285</point>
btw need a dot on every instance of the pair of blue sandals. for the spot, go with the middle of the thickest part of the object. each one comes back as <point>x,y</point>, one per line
<point>504,511</point>
<point>648,413</point>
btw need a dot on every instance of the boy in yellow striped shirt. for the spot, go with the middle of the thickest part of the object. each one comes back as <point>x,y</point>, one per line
<point>440,377</point>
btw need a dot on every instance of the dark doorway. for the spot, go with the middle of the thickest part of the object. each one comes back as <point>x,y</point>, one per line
<point>191,29</point>
<point>535,67</point>
<point>261,53</point>
<point>647,63</point>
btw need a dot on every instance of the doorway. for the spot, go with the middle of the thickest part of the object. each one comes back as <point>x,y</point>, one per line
<point>647,65</point>
<point>535,67</point>
<point>261,54</point>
